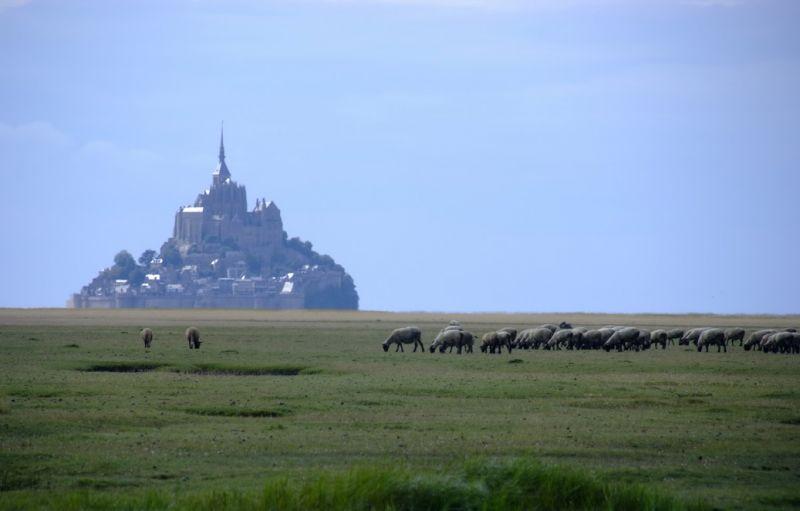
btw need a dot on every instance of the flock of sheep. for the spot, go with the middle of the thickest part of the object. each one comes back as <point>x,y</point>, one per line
<point>564,335</point>
<point>192,337</point>
<point>619,338</point>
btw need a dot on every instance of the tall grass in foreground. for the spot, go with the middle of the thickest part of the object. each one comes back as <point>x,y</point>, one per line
<point>480,485</point>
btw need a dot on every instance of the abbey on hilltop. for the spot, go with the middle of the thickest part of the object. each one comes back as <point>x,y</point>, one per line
<point>223,256</point>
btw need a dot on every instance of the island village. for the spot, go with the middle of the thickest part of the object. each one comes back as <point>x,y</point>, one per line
<point>223,256</point>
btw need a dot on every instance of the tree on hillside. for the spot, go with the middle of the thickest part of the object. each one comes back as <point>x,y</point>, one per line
<point>124,264</point>
<point>146,257</point>
<point>171,255</point>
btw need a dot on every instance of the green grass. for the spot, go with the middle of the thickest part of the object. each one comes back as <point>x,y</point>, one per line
<point>308,396</point>
<point>479,485</point>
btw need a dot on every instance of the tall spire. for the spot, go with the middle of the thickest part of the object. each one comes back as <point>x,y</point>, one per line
<point>221,173</point>
<point>222,142</point>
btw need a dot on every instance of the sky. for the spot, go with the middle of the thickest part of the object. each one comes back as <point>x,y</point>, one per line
<point>452,155</point>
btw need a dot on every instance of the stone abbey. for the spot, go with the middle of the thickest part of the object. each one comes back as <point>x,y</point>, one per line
<point>223,256</point>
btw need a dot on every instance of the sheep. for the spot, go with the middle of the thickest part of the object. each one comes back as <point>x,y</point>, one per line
<point>511,332</point>
<point>193,338</point>
<point>710,337</point>
<point>564,326</point>
<point>449,328</point>
<point>782,342</point>
<point>675,333</point>
<point>560,337</point>
<point>659,337</point>
<point>492,341</point>
<point>466,342</point>
<point>734,334</point>
<point>533,337</point>
<point>524,338</point>
<point>623,338</point>
<point>605,334</point>
<point>147,337</point>
<point>550,327</point>
<point>795,344</point>
<point>691,336</point>
<point>576,341</point>
<point>447,339</point>
<point>406,335</point>
<point>754,341</point>
<point>592,340</point>
<point>644,341</point>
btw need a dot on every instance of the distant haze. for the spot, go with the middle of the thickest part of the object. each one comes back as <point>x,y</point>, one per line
<point>456,155</point>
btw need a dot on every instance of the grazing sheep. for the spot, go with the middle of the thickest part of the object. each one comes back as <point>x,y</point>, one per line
<point>691,336</point>
<point>675,333</point>
<point>734,334</point>
<point>712,337</point>
<point>550,327</point>
<point>779,342</point>
<point>147,337</point>
<point>534,338</point>
<point>644,341</point>
<point>659,337</point>
<point>466,342</point>
<point>564,326</point>
<point>193,338</point>
<point>592,340</point>
<point>560,337</point>
<point>795,342</point>
<point>447,339</point>
<point>406,335</point>
<point>623,338</point>
<point>449,328</point>
<point>492,341</point>
<point>754,341</point>
<point>605,334</point>
<point>524,338</point>
<point>510,331</point>
<point>576,341</point>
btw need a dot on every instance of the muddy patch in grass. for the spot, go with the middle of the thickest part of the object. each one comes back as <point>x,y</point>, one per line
<point>121,367</point>
<point>102,484</point>
<point>599,404</point>
<point>73,345</point>
<point>232,411</point>
<point>792,421</point>
<point>245,370</point>
<point>10,481</point>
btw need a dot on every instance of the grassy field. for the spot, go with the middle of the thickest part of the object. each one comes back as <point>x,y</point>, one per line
<point>304,397</point>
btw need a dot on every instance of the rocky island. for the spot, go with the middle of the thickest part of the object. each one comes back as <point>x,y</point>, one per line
<point>223,256</point>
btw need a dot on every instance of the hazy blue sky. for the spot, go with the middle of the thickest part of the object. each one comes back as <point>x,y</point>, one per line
<point>460,155</point>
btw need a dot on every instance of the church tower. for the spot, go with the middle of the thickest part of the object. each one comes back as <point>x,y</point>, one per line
<point>220,216</point>
<point>221,173</point>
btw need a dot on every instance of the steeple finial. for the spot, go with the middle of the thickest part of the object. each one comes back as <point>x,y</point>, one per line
<point>222,142</point>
